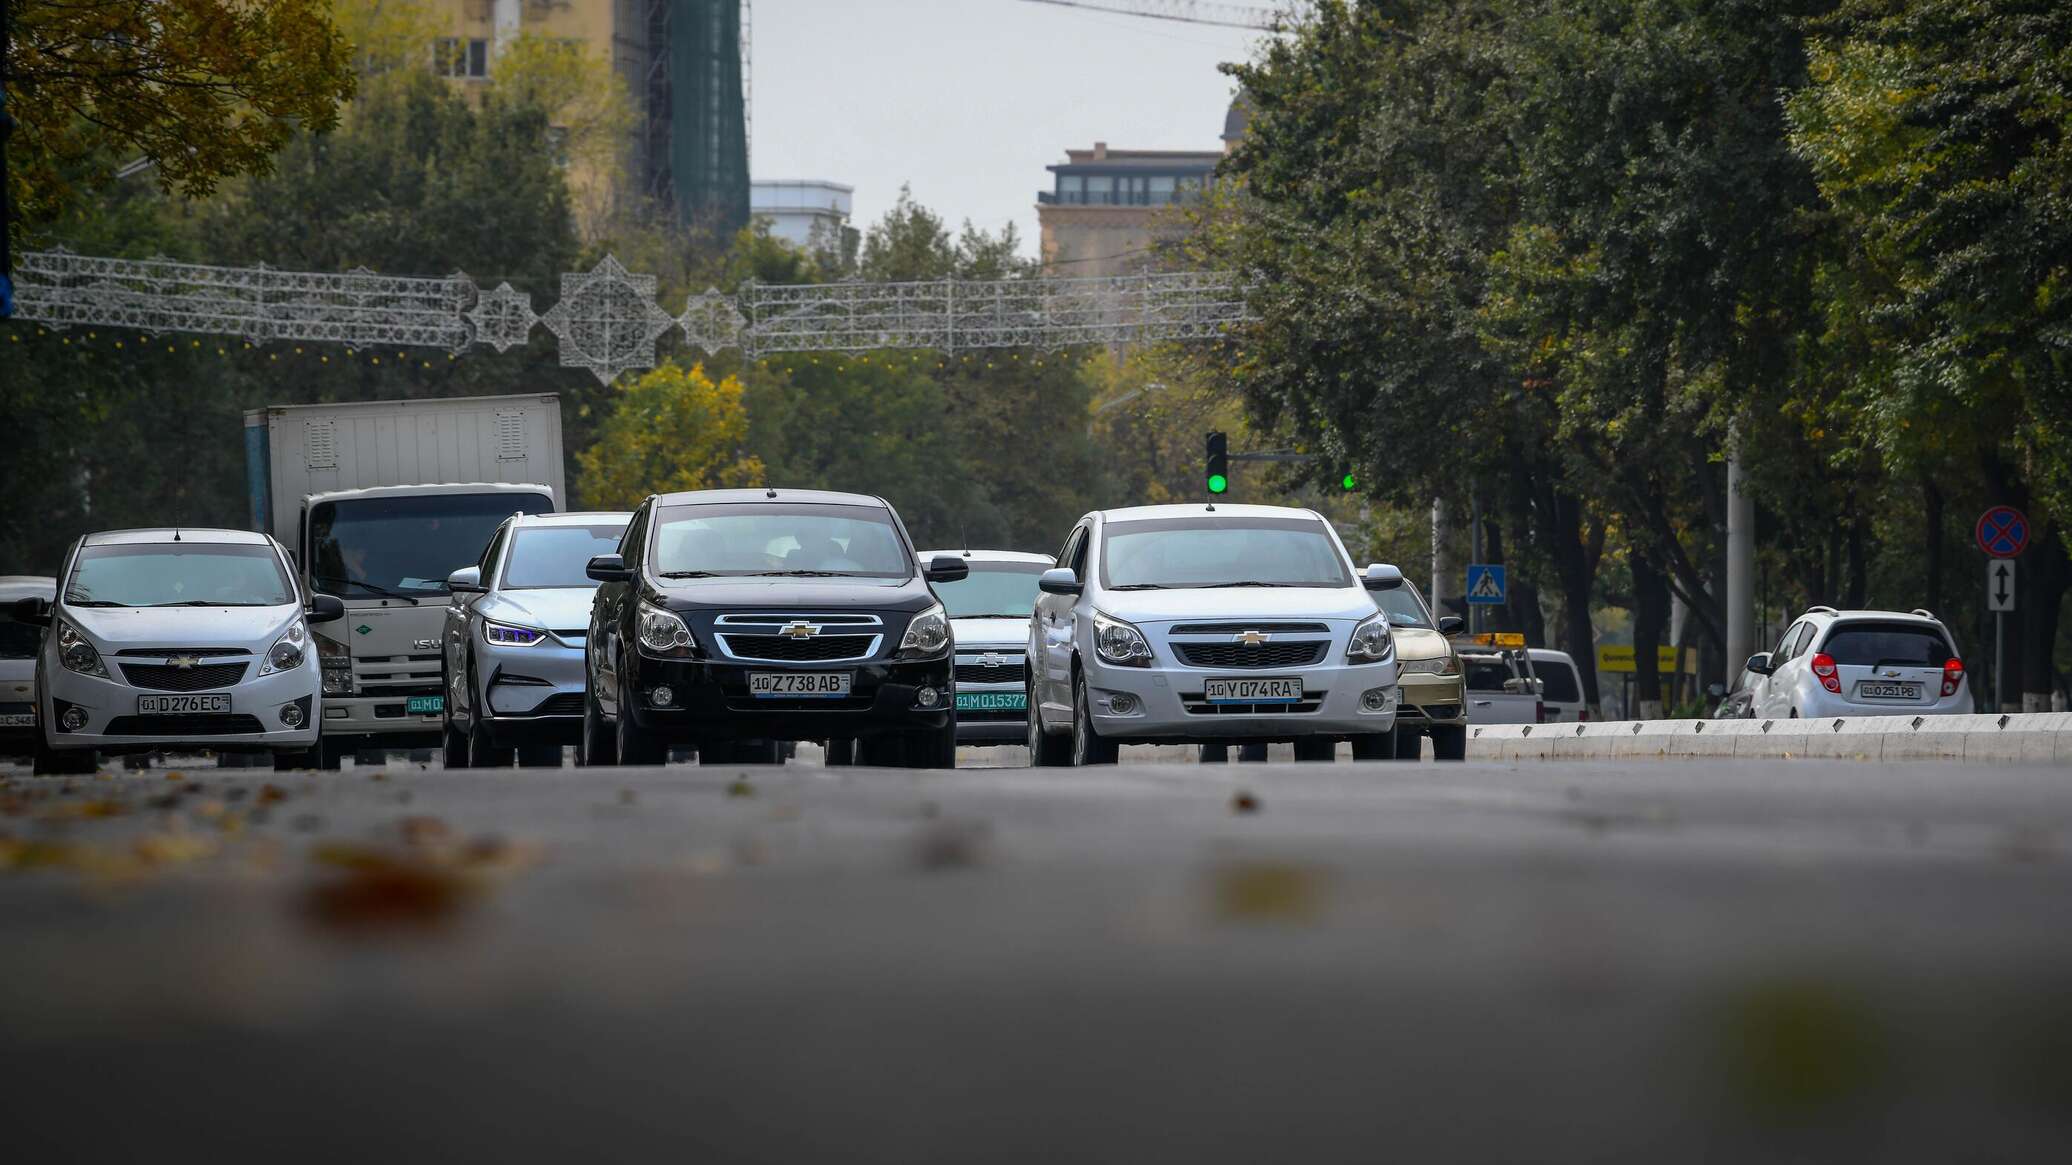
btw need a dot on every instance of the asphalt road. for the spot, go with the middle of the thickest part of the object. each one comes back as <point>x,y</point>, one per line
<point>1787,962</point>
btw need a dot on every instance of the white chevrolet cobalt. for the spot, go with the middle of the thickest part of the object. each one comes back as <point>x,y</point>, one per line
<point>163,639</point>
<point>1209,624</point>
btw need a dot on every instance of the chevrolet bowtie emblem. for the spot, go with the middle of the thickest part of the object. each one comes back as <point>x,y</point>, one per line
<point>992,659</point>
<point>1250,638</point>
<point>799,630</point>
<point>183,662</point>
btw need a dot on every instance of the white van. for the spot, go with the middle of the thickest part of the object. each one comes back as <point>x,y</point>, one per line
<point>1561,686</point>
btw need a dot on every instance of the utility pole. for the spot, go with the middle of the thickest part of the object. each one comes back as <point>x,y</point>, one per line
<point>1740,565</point>
<point>1474,555</point>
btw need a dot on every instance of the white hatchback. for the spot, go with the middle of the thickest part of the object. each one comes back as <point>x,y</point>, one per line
<point>1860,663</point>
<point>175,638</point>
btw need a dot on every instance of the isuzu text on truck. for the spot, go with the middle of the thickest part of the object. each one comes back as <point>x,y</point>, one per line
<point>379,501</point>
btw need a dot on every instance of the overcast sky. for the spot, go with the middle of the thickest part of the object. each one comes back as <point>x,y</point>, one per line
<point>968,100</point>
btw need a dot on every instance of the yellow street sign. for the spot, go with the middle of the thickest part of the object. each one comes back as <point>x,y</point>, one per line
<point>1619,658</point>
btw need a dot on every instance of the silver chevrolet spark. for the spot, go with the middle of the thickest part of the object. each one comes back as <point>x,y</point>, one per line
<point>512,657</point>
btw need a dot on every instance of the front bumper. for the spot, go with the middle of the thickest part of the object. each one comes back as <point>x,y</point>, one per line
<point>710,701</point>
<point>1432,700</point>
<point>992,725</point>
<point>532,695</point>
<point>1169,704</point>
<point>113,724</point>
<point>1817,703</point>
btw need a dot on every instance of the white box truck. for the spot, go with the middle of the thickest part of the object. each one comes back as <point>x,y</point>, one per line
<point>380,501</point>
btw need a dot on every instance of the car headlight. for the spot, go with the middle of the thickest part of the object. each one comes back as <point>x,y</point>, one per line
<point>927,634</point>
<point>77,654</point>
<point>335,660</point>
<point>663,633</point>
<point>1119,643</point>
<point>287,651</point>
<point>512,635</point>
<point>1370,642</point>
<point>1445,665</point>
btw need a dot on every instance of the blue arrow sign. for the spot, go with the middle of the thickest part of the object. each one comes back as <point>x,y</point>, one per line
<point>1486,583</point>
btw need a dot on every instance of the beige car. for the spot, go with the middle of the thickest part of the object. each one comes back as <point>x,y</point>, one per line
<point>1434,698</point>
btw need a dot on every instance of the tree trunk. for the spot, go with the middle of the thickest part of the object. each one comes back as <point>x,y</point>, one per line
<point>1932,542</point>
<point>1575,569</point>
<point>1650,620</point>
<point>1856,595</point>
<point>2044,576</point>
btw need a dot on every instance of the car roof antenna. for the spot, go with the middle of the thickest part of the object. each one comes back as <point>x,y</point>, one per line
<point>176,534</point>
<point>769,491</point>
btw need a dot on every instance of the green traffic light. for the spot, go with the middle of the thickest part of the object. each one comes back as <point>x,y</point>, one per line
<point>1348,483</point>
<point>1218,483</point>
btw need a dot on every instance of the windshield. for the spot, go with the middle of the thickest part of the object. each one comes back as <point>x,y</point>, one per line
<point>554,557</point>
<point>1873,644</point>
<point>179,574</point>
<point>372,548</point>
<point>1005,590</point>
<point>778,539</point>
<point>1403,607</point>
<point>1210,551</point>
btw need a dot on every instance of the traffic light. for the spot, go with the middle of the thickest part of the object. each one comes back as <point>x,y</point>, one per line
<point>1219,464</point>
<point>1348,482</point>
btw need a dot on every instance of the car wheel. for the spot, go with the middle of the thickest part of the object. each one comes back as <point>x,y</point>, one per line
<point>1045,750</point>
<point>1087,746</point>
<point>54,762</point>
<point>935,748</point>
<point>1254,753</point>
<point>841,753</point>
<point>1450,743</point>
<point>1316,749</point>
<point>759,752</point>
<point>330,755</point>
<point>884,752</point>
<point>289,762</point>
<point>539,756</point>
<point>483,752</point>
<point>637,746</point>
<point>1379,745</point>
<point>1215,754</point>
<point>453,746</point>
<point>1409,743</point>
<point>597,747</point>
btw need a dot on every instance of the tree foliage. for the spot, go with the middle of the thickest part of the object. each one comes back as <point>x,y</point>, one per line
<point>674,428</point>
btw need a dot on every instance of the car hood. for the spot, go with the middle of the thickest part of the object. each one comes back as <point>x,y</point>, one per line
<point>795,594</point>
<point>556,609</point>
<point>1238,603</point>
<point>120,627</point>
<point>1419,643</point>
<point>971,633</point>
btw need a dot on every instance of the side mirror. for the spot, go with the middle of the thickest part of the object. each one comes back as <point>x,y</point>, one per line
<point>326,609</point>
<point>466,581</point>
<point>1759,663</point>
<point>31,610</point>
<point>608,568</point>
<point>1518,685</point>
<point>1452,624</point>
<point>946,568</point>
<point>1059,580</point>
<point>1380,576</point>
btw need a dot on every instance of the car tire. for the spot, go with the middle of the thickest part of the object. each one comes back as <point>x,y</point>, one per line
<point>1450,743</point>
<point>935,748</point>
<point>330,755</point>
<point>539,756</point>
<point>52,762</point>
<point>1252,754</point>
<point>1045,750</point>
<point>636,745</point>
<point>483,752</point>
<point>1379,745</point>
<point>841,753</point>
<point>1409,743</point>
<point>290,762</point>
<point>597,747</point>
<point>883,752</point>
<point>453,746</point>
<point>758,752</point>
<point>1316,749</point>
<point>1087,746</point>
<point>1215,754</point>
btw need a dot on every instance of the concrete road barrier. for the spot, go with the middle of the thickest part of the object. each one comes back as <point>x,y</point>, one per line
<point>2014,738</point>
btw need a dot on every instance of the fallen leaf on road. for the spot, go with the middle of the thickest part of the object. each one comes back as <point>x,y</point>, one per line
<point>1268,892</point>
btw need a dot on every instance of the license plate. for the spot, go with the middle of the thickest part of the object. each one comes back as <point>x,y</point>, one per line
<point>800,685</point>
<point>18,720</point>
<point>1889,691</point>
<point>179,705</point>
<point>1264,690</point>
<point>417,705</point>
<point>992,701</point>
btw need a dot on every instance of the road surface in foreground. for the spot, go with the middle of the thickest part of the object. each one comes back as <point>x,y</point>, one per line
<point>1648,962</point>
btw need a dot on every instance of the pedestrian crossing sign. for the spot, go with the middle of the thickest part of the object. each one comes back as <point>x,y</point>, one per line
<point>1486,583</point>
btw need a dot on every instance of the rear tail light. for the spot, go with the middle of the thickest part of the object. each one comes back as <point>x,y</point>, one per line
<point>1953,675</point>
<point>1824,668</point>
<point>1539,712</point>
<point>1583,716</point>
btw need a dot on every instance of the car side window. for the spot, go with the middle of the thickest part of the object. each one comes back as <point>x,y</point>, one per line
<point>1799,641</point>
<point>634,543</point>
<point>1072,555</point>
<point>490,553</point>
<point>1079,552</point>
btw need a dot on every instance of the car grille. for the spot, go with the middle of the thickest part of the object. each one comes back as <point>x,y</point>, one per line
<point>991,715</point>
<point>163,678</point>
<point>848,703</point>
<point>1006,673</point>
<point>1241,628</point>
<point>203,652</point>
<point>1197,704</point>
<point>565,704</point>
<point>398,675</point>
<point>195,724</point>
<point>1241,656</point>
<point>785,649</point>
<point>1435,711</point>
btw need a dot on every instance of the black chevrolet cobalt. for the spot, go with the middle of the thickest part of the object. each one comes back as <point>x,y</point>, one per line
<point>733,621</point>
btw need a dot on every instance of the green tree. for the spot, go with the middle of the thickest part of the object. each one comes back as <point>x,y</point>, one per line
<point>674,428</point>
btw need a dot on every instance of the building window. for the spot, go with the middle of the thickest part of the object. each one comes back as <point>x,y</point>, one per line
<point>1161,189</point>
<point>454,56</point>
<point>1100,189</point>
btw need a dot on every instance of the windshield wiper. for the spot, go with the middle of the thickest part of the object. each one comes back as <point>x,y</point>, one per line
<point>689,574</point>
<point>802,574</point>
<point>205,603</point>
<point>364,585</point>
<point>1245,583</point>
<point>1139,587</point>
<point>999,615</point>
<point>94,603</point>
